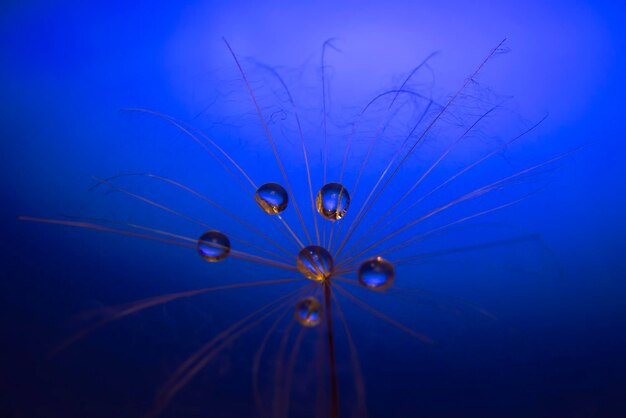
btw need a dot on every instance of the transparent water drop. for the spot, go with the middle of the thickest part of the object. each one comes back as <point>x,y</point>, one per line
<point>213,246</point>
<point>308,312</point>
<point>272,198</point>
<point>332,201</point>
<point>377,274</point>
<point>315,263</point>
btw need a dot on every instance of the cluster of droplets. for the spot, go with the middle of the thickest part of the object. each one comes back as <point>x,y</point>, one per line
<point>314,262</point>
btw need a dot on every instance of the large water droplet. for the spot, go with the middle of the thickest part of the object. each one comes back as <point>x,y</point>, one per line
<point>315,262</point>
<point>213,246</point>
<point>272,198</point>
<point>377,274</point>
<point>332,201</point>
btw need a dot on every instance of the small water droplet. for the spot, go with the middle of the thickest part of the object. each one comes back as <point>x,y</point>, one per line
<point>213,246</point>
<point>308,312</point>
<point>332,201</point>
<point>315,262</point>
<point>272,198</point>
<point>377,274</point>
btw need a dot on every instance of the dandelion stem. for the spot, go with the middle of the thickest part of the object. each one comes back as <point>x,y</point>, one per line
<point>334,386</point>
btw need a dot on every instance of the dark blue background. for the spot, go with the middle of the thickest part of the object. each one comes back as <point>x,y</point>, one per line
<point>68,68</point>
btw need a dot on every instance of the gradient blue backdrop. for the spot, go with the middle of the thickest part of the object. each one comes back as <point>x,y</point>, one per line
<point>68,67</point>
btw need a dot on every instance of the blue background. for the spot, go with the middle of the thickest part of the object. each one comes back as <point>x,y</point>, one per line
<point>557,348</point>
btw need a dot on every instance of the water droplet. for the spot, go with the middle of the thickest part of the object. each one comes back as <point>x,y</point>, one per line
<point>377,274</point>
<point>272,198</point>
<point>309,312</point>
<point>333,201</point>
<point>315,262</point>
<point>213,246</point>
